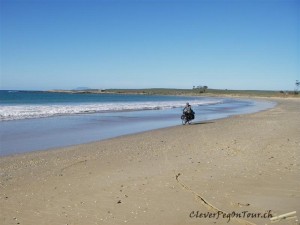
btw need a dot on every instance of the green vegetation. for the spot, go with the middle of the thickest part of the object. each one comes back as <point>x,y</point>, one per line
<point>191,92</point>
<point>196,92</point>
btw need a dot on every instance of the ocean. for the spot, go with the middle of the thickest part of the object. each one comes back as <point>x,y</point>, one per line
<point>32,120</point>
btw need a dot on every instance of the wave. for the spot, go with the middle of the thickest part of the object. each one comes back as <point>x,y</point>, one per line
<point>18,112</point>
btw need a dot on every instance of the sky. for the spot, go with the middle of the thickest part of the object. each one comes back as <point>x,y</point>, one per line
<point>223,44</point>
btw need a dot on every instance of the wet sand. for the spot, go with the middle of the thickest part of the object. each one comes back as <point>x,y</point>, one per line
<point>243,164</point>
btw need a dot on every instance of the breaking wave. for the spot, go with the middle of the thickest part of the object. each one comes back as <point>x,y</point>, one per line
<point>18,112</point>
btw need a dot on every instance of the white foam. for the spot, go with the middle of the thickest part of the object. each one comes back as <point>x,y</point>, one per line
<point>17,112</point>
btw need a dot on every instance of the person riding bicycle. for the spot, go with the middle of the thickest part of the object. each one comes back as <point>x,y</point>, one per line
<point>189,113</point>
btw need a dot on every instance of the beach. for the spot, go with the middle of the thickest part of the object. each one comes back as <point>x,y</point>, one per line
<point>244,165</point>
<point>34,121</point>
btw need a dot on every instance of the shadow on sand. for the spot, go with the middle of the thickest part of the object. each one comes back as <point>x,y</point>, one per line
<point>199,123</point>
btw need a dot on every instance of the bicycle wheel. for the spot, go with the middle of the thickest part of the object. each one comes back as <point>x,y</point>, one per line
<point>183,119</point>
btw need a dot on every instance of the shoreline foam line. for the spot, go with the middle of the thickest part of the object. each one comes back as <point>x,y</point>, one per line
<point>17,112</point>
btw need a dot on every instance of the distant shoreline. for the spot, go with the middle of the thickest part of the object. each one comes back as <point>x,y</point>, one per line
<point>177,92</point>
<point>187,92</point>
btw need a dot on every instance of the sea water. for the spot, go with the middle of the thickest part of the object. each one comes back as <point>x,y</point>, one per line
<point>31,121</point>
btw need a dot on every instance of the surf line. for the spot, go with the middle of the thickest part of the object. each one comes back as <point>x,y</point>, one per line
<point>207,204</point>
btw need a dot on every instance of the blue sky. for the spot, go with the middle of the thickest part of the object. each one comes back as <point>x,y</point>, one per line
<point>227,44</point>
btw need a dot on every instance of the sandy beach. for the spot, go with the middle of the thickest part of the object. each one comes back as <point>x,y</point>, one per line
<point>246,165</point>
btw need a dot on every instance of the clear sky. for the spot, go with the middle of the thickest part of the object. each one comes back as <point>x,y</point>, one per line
<point>227,44</point>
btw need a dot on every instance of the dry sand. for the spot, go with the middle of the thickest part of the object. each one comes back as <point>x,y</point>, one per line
<point>238,164</point>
